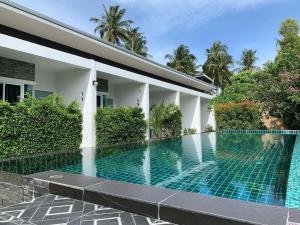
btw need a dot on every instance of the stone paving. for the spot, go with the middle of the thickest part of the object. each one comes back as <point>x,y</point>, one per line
<point>54,209</point>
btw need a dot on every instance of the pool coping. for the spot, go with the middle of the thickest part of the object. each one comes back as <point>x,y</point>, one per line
<point>174,206</point>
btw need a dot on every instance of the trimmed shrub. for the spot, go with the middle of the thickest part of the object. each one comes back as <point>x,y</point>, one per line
<point>243,115</point>
<point>36,126</point>
<point>120,125</point>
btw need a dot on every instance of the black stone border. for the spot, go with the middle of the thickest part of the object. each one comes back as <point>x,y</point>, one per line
<point>169,205</point>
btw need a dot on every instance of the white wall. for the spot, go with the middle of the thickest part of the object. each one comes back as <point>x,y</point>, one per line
<point>73,86</point>
<point>158,97</point>
<point>45,80</point>
<point>207,117</point>
<point>130,94</point>
<point>190,107</point>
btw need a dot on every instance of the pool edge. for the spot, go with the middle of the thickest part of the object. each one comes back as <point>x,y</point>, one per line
<point>173,206</point>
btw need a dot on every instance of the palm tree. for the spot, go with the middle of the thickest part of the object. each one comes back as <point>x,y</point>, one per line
<point>111,26</point>
<point>217,64</point>
<point>182,60</point>
<point>248,59</point>
<point>137,42</point>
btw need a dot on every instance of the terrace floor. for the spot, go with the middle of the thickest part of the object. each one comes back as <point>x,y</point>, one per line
<point>54,209</point>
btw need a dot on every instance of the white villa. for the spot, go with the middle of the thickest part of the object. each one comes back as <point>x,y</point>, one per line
<point>41,56</point>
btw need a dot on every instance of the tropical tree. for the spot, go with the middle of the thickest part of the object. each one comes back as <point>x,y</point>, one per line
<point>278,86</point>
<point>288,54</point>
<point>217,64</point>
<point>248,60</point>
<point>240,89</point>
<point>166,120</point>
<point>111,26</point>
<point>182,60</point>
<point>136,42</point>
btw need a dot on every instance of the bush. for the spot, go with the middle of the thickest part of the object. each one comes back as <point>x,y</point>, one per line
<point>243,115</point>
<point>120,126</point>
<point>208,129</point>
<point>189,131</point>
<point>39,126</point>
<point>166,121</point>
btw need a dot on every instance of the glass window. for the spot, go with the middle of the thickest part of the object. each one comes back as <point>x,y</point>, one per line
<point>102,85</point>
<point>28,89</point>
<point>107,102</point>
<point>98,101</point>
<point>12,93</point>
<point>1,91</point>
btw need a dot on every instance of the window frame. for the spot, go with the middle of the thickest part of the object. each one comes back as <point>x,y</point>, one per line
<point>3,91</point>
<point>17,82</point>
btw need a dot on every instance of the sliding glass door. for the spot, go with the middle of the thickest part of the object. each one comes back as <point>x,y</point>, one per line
<point>104,101</point>
<point>12,93</point>
<point>1,91</point>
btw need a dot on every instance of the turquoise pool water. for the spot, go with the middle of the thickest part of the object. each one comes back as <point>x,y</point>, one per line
<point>250,167</point>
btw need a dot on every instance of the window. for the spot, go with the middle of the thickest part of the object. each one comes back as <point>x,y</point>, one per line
<point>104,101</point>
<point>107,102</point>
<point>28,89</point>
<point>99,100</point>
<point>102,85</point>
<point>1,91</point>
<point>12,93</point>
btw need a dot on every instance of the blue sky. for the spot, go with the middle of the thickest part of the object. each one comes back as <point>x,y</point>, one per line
<point>197,23</point>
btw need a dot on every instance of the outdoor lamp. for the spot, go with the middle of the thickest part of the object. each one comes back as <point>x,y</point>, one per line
<point>95,83</point>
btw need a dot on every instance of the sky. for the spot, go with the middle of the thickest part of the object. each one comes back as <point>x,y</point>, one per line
<point>240,24</point>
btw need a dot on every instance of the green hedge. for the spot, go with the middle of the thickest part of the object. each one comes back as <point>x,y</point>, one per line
<point>243,115</point>
<point>36,126</point>
<point>120,126</point>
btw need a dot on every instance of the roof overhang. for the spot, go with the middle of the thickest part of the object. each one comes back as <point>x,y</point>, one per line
<point>17,17</point>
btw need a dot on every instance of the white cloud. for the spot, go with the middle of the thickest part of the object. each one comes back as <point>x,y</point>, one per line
<point>161,16</point>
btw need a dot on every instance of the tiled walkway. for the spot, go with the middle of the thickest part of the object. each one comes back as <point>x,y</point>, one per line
<point>53,209</point>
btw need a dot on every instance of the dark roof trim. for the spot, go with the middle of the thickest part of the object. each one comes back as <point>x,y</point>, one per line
<point>51,20</point>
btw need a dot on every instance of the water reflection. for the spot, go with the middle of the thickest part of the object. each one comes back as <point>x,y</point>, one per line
<point>89,167</point>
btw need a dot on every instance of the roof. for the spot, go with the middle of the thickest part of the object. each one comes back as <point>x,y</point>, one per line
<point>20,18</point>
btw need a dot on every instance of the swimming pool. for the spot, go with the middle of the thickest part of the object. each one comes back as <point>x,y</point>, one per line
<point>250,167</point>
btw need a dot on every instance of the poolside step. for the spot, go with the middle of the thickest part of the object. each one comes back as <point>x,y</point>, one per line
<point>174,206</point>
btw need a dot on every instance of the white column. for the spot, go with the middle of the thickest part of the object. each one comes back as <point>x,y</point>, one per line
<point>145,106</point>
<point>177,99</point>
<point>197,115</point>
<point>89,109</point>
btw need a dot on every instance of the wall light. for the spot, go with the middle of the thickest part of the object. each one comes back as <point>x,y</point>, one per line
<point>95,83</point>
